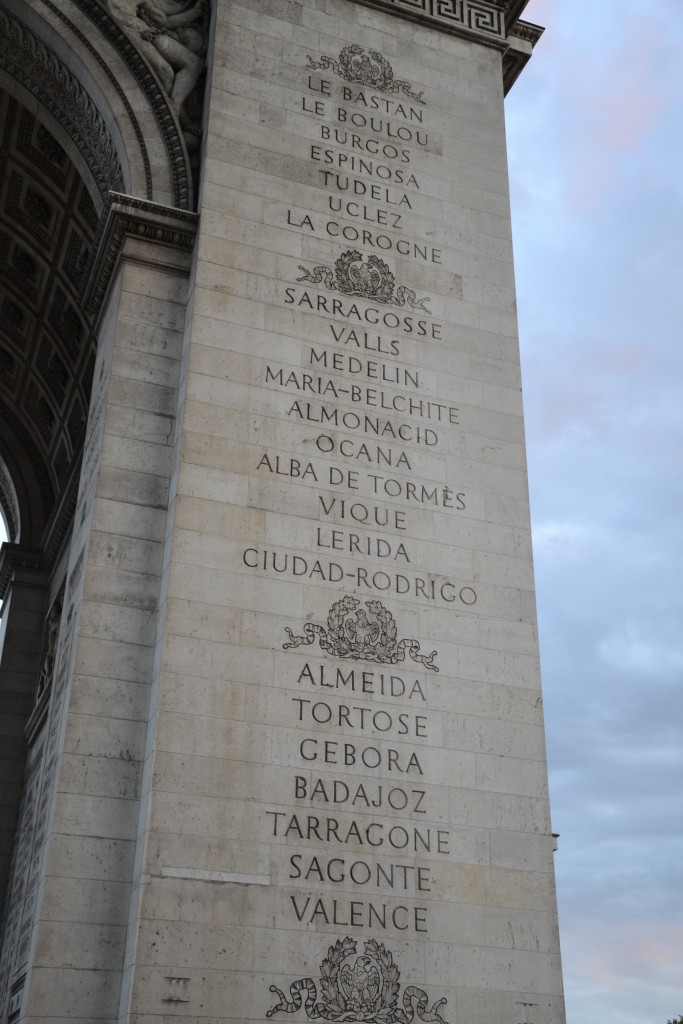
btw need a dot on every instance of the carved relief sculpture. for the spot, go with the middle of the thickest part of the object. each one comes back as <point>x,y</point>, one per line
<point>178,31</point>
<point>353,632</point>
<point>369,68</point>
<point>172,35</point>
<point>366,278</point>
<point>367,991</point>
<point>47,669</point>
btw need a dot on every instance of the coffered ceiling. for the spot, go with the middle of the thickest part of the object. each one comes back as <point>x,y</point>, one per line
<point>47,226</point>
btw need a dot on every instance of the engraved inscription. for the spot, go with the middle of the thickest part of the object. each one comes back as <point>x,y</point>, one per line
<point>362,430</point>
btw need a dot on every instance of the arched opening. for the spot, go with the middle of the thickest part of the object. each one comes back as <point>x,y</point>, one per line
<point>49,216</point>
<point>96,237</point>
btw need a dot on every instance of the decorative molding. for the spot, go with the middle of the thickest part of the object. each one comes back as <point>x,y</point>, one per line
<point>514,9</point>
<point>527,31</point>
<point>16,556</point>
<point>365,67</point>
<point>522,39</point>
<point>158,100</point>
<point>360,634</point>
<point>8,501</point>
<point>134,123</point>
<point>27,60</point>
<point>494,23</point>
<point>481,20</point>
<point>127,216</point>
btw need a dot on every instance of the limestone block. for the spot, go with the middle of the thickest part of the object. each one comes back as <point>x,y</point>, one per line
<point>346,740</point>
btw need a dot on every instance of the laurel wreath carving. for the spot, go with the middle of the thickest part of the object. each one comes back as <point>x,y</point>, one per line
<point>31,63</point>
<point>353,632</point>
<point>367,991</point>
<point>366,68</point>
<point>329,973</point>
<point>368,278</point>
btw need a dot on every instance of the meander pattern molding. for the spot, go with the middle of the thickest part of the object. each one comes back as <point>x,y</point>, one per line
<point>368,278</point>
<point>480,17</point>
<point>28,60</point>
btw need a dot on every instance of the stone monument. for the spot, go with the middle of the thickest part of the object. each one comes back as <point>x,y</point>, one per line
<point>272,731</point>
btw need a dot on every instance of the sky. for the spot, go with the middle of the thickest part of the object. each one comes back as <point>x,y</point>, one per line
<point>595,137</point>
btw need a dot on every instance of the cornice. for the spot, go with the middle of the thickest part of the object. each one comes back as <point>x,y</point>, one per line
<point>527,31</point>
<point>16,556</point>
<point>126,216</point>
<point>514,9</point>
<point>480,20</point>
<point>493,23</point>
<point>522,38</point>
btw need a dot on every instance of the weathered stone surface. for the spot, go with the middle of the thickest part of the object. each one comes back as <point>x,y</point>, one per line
<point>294,761</point>
<point>350,518</point>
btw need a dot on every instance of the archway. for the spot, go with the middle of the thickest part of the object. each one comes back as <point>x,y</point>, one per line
<point>94,160</point>
<point>48,222</point>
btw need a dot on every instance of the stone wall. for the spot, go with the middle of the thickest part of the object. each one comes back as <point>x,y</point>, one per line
<point>292,760</point>
<point>347,803</point>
